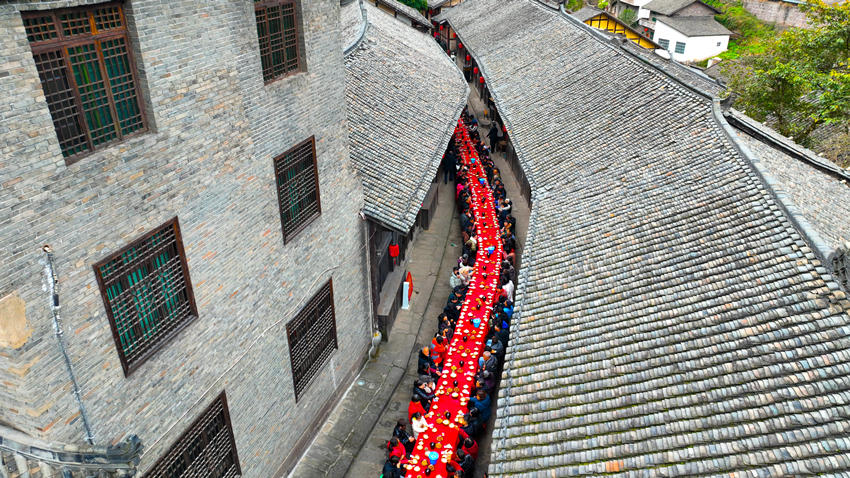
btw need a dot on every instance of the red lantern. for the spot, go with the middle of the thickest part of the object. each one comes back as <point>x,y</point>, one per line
<point>393,250</point>
<point>460,45</point>
<point>475,70</point>
<point>454,35</point>
<point>467,57</point>
<point>441,28</point>
<point>481,80</point>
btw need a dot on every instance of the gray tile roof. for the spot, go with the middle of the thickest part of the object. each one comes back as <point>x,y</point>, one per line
<point>669,7</point>
<point>694,26</point>
<point>689,75</point>
<point>404,96</point>
<point>671,320</point>
<point>586,13</point>
<point>821,190</point>
<point>407,11</point>
<point>436,3</point>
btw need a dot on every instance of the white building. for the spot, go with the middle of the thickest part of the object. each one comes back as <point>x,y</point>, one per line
<point>690,39</point>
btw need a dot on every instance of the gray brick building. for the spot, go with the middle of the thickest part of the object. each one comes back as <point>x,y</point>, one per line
<point>204,154</point>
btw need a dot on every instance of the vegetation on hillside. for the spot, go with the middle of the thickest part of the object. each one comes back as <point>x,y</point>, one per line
<point>799,80</point>
<point>417,4</point>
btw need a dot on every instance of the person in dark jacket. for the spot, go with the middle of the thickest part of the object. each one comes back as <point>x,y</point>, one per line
<point>392,468</point>
<point>493,135</point>
<point>467,464</point>
<point>481,401</point>
<point>426,364</point>
<point>449,166</point>
<point>406,439</point>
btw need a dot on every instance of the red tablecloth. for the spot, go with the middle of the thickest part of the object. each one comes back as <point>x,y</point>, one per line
<point>467,342</point>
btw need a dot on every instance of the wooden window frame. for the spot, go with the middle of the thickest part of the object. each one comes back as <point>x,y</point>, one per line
<point>265,42</point>
<point>127,365</point>
<point>302,384</point>
<point>61,44</point>
<point>222,397</point>
<point>307,220</point>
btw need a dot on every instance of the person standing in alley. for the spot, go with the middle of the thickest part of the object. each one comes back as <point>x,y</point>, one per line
<point>449,166</point>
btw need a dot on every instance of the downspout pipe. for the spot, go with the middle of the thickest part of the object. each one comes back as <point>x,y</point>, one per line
<point>52,289</point>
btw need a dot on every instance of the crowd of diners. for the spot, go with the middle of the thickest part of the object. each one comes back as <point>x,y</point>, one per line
<point>432,356</point>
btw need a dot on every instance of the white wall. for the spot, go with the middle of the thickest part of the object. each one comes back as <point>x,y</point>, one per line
<point>696,48</point>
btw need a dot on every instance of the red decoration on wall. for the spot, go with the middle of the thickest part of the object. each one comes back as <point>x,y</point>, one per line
<point>393,250</point>
<point>481,80</point>
<point>441,28</point>
<point>454,35</point>
<point>460,45</point>
<point>467,58</point>
<point>475,70</point>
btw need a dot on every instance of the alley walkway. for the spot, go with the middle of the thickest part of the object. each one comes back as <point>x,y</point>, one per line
<point>367,413</point>
<point>352,441</point>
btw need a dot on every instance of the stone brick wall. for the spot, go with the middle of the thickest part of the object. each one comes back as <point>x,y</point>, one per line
<point>214,128</point>
<point>773,11</point>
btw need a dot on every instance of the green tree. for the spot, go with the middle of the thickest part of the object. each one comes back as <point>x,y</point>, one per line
<point>628,16</point>
<point>801,80</point>
<point>417,4</point>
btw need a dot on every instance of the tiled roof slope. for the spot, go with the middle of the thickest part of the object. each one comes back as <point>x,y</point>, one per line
<point>407,11</point>
<point>822,197</point>
<point>669,7</point>
<point>404,96</point>
<point>671,321</point>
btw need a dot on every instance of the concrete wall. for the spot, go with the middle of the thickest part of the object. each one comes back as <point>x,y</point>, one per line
<point>781,13</point>
<point>214,129</point>
<point>696,48</point>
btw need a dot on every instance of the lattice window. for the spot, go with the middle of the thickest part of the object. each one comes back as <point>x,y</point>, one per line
<point>147,293</point>
<point>665,44</point>
<point>206,449</point>
<point>297,187</point>
<point>312,338</point>
<point>680,47</point>
<point>87,73</point>
<point>277,30</point>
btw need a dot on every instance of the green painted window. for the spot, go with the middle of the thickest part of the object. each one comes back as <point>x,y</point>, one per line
<point>277,32</point>
<point>87,74</point>
<point>665,44</point>
<point>147,293</point>
<point>680,47</point>
<point>297,182</point>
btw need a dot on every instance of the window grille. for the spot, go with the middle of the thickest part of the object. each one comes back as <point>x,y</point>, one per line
<point>297,182</point>
<point>665,44</point>
<point>206,449</point>
<point>147,293</point>
<point>312,338</point>
<point>277,30</point>
<point>88,75</point>
<point>680,47</point>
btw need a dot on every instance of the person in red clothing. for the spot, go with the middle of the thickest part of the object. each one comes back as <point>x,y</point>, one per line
<point>395,448</point>
<point>438,350</point>
<point>470,448</point>
<point>414,406</point>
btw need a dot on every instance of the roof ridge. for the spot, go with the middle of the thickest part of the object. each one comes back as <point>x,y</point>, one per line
<point>364,25</point>
<point>768,135</point>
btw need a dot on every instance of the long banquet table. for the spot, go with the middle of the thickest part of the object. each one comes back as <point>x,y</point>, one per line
<point>457,379</point>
